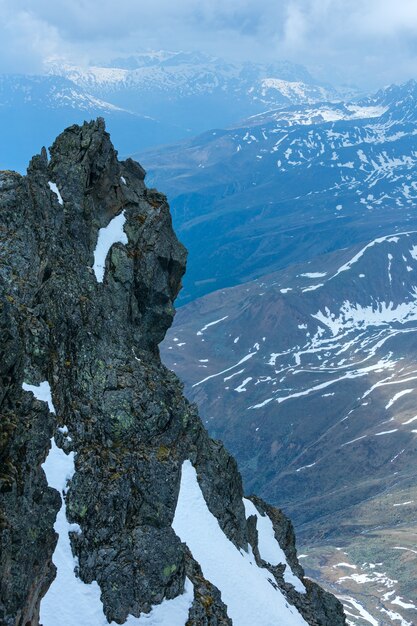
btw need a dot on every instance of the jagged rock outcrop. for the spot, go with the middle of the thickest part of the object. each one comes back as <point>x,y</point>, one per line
<point>118,411</point>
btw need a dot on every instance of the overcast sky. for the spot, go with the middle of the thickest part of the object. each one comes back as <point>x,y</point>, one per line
<point>367,42</point>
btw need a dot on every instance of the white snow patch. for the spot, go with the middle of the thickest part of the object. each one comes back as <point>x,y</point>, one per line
<point>53,187</point>
<point>354,259</point>
<point>169,613</point>
<point>352,441</point>
<point>413,419</point>
<point>269,548</point>
<point>245,358</point>
<point>234,374</point>
<point>362,612</point>
<point>355,316</point>
<point>242,386</point>
<point>306,466</point>
<point>111,234</point>
<point>41,392</point>
<point>397,455</point>
<point>246,589</point>
<point>364,371</point>
<point>396,617</point>
<point>261,404</point>
<point>407,549</point>
<point>413,252</point>
<point>312,287</point>
<point>314,274</point>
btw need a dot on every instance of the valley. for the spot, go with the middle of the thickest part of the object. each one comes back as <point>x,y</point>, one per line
<point>289,185</point>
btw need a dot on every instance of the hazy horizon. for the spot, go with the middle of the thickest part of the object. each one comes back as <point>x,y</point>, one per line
<point>368,44</point>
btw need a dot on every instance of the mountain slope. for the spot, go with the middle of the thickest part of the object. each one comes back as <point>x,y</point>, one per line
<point>309,376</point>
<point>151,523</point>
<point>290,184</point>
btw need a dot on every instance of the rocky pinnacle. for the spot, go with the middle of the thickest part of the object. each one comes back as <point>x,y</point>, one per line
<point>117,408</point>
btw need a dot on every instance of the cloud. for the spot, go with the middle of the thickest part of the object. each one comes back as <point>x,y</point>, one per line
<point>25,39</point>
<point>365,41</point>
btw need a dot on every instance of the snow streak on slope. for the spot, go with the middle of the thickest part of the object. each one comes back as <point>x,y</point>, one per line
<point>246,589</point>
<point>322,113</point>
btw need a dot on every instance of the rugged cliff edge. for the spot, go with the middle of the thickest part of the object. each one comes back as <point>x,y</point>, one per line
<point>83,395</point>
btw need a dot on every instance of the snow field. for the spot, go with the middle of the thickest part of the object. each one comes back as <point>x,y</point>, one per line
<point>246,588</point>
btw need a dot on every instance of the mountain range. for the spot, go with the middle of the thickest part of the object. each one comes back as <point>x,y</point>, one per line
<point>290,184</point>
<point>33,109</point>
<point>297,333</point>
<point>194,90</point>
<point>150,99</point>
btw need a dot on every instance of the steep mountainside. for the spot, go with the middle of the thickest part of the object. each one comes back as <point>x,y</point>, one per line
<point>309,376</point>
<point>290,184</point>
<point>150,513</point>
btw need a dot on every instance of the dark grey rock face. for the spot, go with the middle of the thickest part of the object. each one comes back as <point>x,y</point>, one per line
<point>28,506</point>
<point>129,424</point>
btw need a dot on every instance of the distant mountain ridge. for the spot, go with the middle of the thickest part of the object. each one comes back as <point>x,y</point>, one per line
<point>48,92</point>
<point>149,99</point>
<point>182,74</point>
<point>34,108</point>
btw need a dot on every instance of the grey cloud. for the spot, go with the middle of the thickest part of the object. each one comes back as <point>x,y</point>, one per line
<point>25,40</point>
<point>370,42</point>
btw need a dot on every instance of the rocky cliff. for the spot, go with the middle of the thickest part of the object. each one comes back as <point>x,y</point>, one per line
<point>115,503</point>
